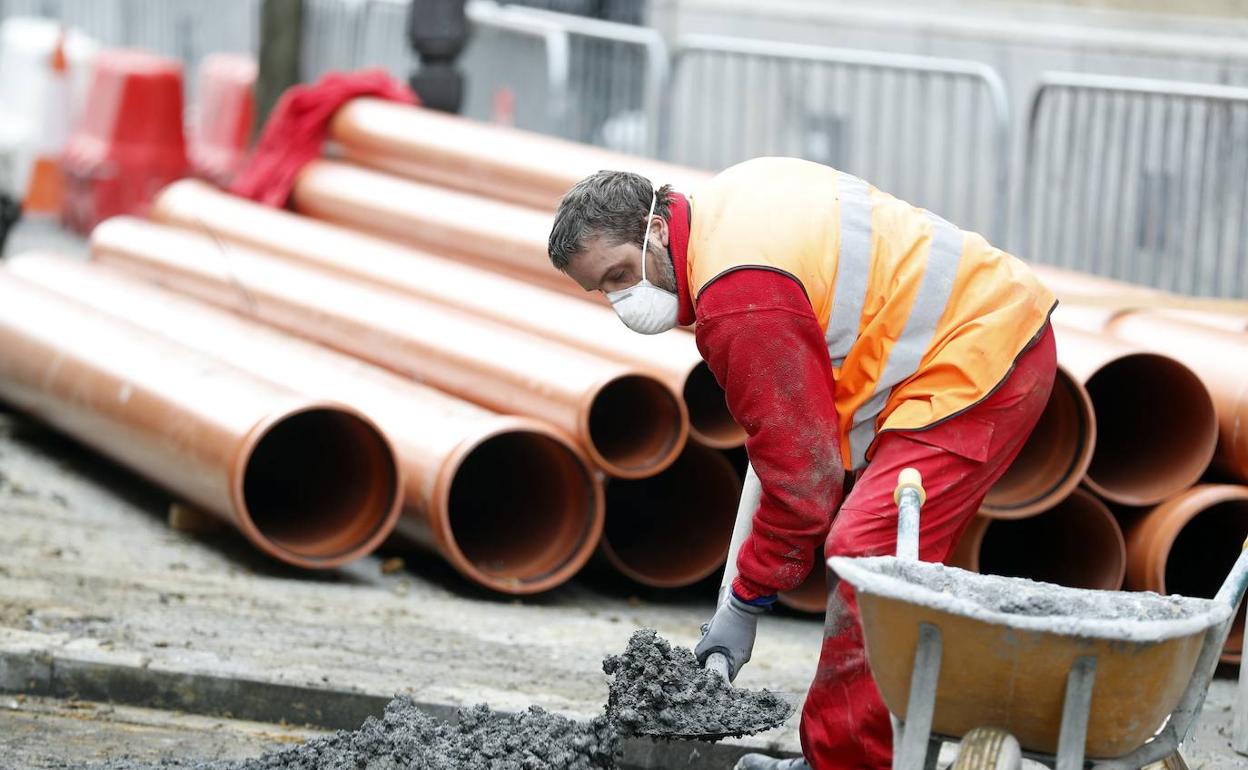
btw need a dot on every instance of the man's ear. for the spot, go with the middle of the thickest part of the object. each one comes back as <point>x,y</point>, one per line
<point>662,231</point>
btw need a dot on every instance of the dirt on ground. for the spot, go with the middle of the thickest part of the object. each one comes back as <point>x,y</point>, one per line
<point>406,737</point>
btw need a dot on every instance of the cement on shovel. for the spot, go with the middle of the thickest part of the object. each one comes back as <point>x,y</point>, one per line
<point>658,689</point>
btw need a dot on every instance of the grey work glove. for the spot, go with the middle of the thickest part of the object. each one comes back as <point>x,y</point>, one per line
<point>730,631</point>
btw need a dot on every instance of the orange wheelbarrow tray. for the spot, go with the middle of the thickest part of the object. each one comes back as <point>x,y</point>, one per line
<point>1068,673</point>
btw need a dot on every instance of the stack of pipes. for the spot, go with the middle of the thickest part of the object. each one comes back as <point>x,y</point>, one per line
<point>413,294</point>
<point>1138,408</point>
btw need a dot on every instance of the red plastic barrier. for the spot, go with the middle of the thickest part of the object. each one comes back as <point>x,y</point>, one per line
<point>224,116</point>
<point>129,143</point>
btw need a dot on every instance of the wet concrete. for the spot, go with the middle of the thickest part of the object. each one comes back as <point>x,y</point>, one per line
<point>406,737</point>
<point>658,689</point>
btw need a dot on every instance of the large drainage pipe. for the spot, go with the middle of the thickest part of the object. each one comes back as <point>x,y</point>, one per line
<point>501,236</point>
<point>309,482</point>
<point>673,529</point>
<point>1156,429</point>
<point>1054,459</point>
<point>628,422</point>
<point>1187,545</point>
<point>518,166</point>
<point>1075,543</point>
<point>198,206</point>
<point>1093,291</point>
<point>506,500</point>
<point>1220,359</point>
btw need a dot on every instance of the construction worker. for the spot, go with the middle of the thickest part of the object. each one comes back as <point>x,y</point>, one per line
<point>854,335</point>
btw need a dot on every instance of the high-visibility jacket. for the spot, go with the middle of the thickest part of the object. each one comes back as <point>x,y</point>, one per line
<point>922,320</point>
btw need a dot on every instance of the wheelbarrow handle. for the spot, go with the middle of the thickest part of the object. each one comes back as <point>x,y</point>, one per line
<point>909,497</point>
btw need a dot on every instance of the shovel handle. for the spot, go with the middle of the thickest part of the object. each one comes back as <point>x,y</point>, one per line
<point>909,497</point>
<point>719,664</point>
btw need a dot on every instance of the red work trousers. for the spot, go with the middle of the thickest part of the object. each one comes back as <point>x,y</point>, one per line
<point>845,725</point>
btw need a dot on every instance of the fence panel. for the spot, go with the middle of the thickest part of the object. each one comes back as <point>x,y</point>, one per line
<point>932,131</point>
<point>1141,180</point>
<point>383,38</point>
<point>184,29</point>
<point>617,76</point>
<point>330,36</point>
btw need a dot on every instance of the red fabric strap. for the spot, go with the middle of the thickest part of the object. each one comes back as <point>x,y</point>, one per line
<point>299,125</point>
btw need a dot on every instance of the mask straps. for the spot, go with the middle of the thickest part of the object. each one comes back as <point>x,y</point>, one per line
<point>645,241</point>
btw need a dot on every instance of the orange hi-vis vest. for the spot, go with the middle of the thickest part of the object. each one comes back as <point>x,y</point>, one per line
<point>922,320</point>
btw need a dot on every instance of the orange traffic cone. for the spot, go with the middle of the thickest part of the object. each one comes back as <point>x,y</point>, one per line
<point>45,190</point>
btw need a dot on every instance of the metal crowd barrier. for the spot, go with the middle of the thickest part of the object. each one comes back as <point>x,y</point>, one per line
<point>1142,180</point>
<point>932,131</point>
<point>604,80</point>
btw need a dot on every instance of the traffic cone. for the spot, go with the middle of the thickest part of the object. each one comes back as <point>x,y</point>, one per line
<point>45,190</point>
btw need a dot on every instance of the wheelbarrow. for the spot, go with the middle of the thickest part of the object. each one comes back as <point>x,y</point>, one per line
<point>1009,667</point>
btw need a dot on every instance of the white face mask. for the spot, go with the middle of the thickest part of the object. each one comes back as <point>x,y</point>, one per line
<point>644,307</point>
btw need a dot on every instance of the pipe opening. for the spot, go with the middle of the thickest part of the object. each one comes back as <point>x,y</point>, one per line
<point>710,422</point>
<point>321,483</point>
<point>1077,543</point>
<point>1054,458</point>
<point>673,529</point>
<point>1156,429</point>
<point>636,425</point>
<point>1202,555</point>
<point>522,512</point>
<point>812,595</point>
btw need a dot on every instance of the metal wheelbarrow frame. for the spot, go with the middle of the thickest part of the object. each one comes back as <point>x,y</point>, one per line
<point>1149,673</point>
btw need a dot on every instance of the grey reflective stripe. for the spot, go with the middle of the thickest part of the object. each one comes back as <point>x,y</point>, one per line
<point>935,286</point>
<point>853,267</point>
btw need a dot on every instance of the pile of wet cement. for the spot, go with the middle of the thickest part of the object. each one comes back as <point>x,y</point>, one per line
<point>656,688</point>
<point>406,738</point>
<point>1018,596</point>
<point>659,689</point>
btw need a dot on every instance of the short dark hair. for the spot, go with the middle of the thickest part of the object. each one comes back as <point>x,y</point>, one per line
<point>612,204</point>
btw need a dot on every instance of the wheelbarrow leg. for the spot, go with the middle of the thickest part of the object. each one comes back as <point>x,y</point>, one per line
<point>911,745</point>
<point>1072,739</point>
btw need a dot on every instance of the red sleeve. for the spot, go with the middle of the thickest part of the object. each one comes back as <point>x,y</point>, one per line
<point>760,337</point>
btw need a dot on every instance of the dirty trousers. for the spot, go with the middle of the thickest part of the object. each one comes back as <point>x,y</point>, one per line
<point>845,725</point>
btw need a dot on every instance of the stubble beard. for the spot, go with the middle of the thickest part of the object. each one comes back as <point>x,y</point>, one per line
<point>665,276</point>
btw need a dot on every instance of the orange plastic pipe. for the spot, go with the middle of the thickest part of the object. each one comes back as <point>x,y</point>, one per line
<point>506,500</point>
<point>1055,458</point>
<point>502,236</point>
<point>200,207</point>
<point>507,163</point>
<point>628,422</point>
<point>1220,358</point>
<point>1074,286</point>
<point>312,483</point>
<point>673,529</point>
<point>1156,429</point>
<point>1076,543</point>
<point>1187,545</point>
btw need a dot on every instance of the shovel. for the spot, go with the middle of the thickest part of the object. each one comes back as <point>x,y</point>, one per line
<point>751,494</point>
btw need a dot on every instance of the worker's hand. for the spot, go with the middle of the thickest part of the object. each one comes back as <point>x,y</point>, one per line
<point>731,632</point>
